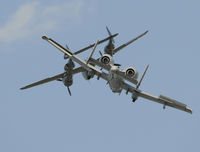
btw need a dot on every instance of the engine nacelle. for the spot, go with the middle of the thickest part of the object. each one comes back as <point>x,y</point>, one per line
<point>88,75</point>
<point>68,80</point>
<point>131,72</point>
<point>69,66</point>
<point>106,59</point>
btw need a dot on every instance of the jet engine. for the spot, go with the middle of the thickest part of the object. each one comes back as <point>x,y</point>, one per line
<point>68,77</point>
<point>69,66</point>
<point>106,59</point>
<point>68,80</point>
<point>131,72</point>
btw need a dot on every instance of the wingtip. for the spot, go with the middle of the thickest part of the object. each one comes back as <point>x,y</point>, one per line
<point>22,88</point>
<point>189,110</point>
<point>44,37</point>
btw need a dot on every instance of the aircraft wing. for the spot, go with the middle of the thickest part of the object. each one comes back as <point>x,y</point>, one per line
<point>92,45</point>
<point>75,71</point>
<point>44,81</point>
<point>161,99</point>
<point>129,42</point>
<point>86,66</point>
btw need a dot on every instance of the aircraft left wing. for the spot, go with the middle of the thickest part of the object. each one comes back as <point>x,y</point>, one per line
<point>161,99</point>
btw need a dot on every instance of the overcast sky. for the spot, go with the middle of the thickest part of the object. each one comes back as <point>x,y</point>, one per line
<point>46,118</point>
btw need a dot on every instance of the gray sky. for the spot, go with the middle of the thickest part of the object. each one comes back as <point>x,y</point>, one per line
<point>45,118</point>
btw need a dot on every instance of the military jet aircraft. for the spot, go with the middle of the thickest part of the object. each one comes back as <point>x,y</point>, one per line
<point>115,77</point>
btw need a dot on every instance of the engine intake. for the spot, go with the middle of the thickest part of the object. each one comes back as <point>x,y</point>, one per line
<point>131,72</point>
<point>68,80</point>
<point>106,59</point>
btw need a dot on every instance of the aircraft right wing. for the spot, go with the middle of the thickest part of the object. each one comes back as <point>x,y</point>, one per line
<point>129,42</point>
<point>161,99</point>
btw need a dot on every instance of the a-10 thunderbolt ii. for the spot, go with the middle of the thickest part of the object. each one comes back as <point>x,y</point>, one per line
<point>115,77</point>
